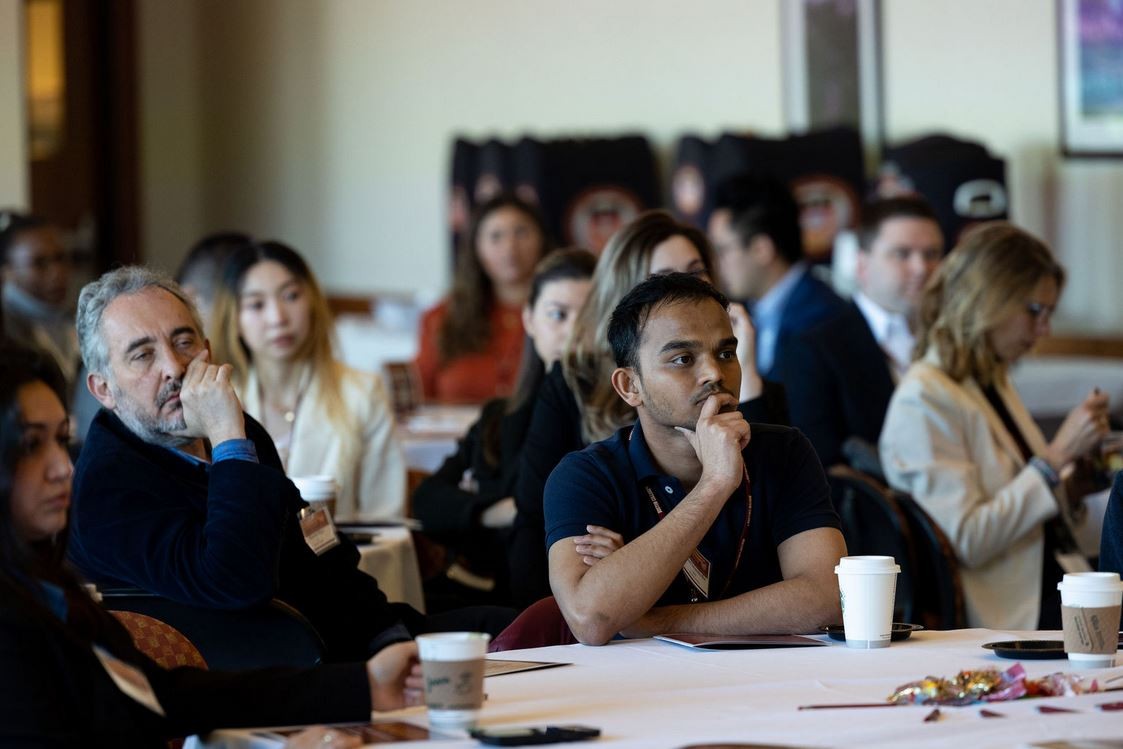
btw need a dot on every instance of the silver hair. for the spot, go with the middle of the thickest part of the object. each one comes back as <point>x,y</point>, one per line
<point>99,294</point>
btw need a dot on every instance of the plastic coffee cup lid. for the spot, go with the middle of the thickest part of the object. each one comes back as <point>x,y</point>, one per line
<point>1091,581</point>
<point>315,487</point>
<point>867,565</point>
<point>452,645</point>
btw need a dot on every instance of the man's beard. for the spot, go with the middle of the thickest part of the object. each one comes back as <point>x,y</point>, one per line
<point>166,431</point>
<point>662,411</point>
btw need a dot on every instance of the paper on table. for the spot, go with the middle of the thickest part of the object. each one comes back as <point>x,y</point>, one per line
<point>497,667</point>
<point>370,733</point>
<point>739,642</point>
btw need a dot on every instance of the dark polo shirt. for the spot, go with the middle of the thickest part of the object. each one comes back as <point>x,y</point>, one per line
<point>606,484</point>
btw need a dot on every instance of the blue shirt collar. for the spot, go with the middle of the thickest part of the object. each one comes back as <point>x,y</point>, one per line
<point>771,306</point>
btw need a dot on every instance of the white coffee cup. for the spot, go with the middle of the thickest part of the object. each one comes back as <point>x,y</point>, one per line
<point>867,587</point>
<point>1090,603</point>
<point>317,491</point>
<point>452,664</point>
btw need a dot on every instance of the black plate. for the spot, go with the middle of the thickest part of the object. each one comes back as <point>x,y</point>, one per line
<point>901,631</point>
<point>1032,650</point>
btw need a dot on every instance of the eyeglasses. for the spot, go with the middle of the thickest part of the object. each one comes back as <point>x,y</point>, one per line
<point>1040,312</point>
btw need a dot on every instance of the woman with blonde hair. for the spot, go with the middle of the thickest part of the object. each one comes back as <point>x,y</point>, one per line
<point>577,405</point>
<point>272,323</point>
<point>472,342</point>
<point>959,439</point>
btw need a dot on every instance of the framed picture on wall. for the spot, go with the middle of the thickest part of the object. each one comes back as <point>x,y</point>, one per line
<point>1091,76</point>
<point>832,66</point>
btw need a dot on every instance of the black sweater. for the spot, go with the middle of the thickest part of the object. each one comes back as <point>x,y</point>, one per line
<point>219,536</point>
<point>54,691</point>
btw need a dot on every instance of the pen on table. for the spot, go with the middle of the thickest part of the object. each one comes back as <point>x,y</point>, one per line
<point>853,704</point>
<point>1051,709</point>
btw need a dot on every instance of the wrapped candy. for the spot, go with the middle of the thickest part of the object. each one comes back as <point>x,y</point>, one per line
<point>1060,685</point>
<point>989,685</point>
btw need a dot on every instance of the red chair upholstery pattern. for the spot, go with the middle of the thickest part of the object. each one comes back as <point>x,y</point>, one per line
<point>160,641</point>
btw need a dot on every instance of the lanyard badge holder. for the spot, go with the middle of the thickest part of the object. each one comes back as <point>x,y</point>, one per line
<point>696,569</point>
<point>318,529</point>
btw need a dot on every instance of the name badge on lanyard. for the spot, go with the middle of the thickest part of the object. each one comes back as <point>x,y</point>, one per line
<point>318,529</point>
<point>130,680</point>
<point>697,571</point>
<point>696,568</point>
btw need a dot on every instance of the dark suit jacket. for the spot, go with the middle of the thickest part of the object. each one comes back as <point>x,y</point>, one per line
<point>55,693</point>
<point>810,303</point>
<point>219,536</point>
<point>554,432</point>
<point>838,382</point>
<point>1111,542</point>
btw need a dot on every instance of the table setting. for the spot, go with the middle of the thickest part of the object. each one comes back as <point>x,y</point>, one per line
<point>870,683</point>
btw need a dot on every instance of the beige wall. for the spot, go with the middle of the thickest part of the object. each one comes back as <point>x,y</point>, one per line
<point>173,178</point>
<point>13,135</point>
<point>993,76</point>
<point>329,123</point>
<point>985,71</point>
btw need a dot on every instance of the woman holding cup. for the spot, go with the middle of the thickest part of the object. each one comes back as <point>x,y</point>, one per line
<point>959,439</point>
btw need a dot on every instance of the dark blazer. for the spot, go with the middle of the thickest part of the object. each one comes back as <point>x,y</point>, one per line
<point>1111,542</point>
<point>55,693</point>
<point>838,382</point>
<point>219,536</point>
<point>810,303</point>
<point>451,514</point>
<point>554,432</point>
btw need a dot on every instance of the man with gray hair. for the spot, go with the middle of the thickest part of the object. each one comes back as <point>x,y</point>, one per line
<point>180,493</point>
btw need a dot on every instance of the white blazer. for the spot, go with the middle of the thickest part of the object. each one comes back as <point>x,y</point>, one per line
<point>366,461</point>
<point>945,445</point>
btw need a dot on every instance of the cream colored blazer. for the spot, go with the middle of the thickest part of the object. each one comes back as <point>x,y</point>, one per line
<point>366,460</point>
<point>945,445</point>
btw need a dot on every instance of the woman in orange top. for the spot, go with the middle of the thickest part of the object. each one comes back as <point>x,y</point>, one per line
<point>471,343</point>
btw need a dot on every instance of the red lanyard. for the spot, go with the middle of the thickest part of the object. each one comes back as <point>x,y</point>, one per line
<point>697,594</point>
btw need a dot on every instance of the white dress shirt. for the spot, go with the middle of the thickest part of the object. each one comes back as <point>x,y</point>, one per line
<point>891,331</point>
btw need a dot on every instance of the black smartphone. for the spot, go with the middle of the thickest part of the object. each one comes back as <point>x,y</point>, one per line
<point>527,736</point>
<point>360,538</point>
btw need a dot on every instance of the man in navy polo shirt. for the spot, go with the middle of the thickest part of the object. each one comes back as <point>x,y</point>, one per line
<point>725,529</point>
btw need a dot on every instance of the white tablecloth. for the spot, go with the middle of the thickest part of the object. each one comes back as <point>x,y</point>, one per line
<point>430,435</point>
<point>654,695</point>
<point>391,560</point>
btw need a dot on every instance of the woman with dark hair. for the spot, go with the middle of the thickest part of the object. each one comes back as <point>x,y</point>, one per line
<point>468,504</point>
<point>272,323</point>
<point>577,404</point>
<point>471,343</point>
<point>64,660</point>
<point>959,439</point>
<point>36,275</point>
<point>37,308</point>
